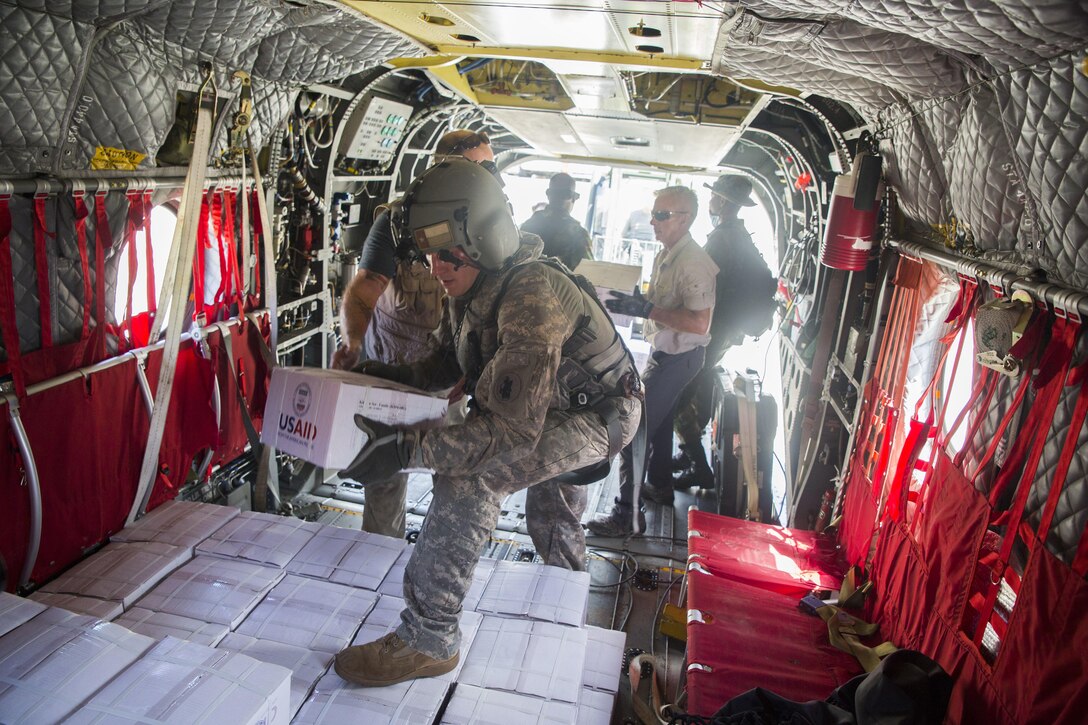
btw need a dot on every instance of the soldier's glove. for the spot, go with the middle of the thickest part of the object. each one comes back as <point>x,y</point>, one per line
<point>387,451</point>
<point>385,371</point>
<point>633,304</point>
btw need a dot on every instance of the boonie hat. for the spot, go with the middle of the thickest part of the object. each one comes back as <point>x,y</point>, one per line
<point>561,187</point>
<point>737,189</point>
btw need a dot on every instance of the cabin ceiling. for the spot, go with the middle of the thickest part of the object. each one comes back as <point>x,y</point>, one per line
<point>977,108</point>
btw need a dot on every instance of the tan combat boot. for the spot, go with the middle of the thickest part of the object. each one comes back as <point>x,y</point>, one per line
<point>387,661</point>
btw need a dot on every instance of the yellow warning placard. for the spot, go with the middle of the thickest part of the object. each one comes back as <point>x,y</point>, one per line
<point>116,159</point>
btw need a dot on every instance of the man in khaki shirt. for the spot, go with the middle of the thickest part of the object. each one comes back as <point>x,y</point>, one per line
<point>678,309</point>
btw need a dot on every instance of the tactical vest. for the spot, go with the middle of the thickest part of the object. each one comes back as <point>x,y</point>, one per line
<point>405,315</point>
<point>595,366</point>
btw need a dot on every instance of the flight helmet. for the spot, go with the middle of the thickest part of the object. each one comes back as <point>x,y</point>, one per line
<point>456,203</point>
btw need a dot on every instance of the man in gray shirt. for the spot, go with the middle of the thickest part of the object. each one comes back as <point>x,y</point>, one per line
<point>678,309</point>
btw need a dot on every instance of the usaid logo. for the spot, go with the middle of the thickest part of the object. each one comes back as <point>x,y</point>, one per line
<point>303,398</point>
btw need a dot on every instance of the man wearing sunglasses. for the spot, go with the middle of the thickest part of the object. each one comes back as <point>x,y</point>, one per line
<point>554,390</point>
<point>677,309</point>
<point>388,312</point>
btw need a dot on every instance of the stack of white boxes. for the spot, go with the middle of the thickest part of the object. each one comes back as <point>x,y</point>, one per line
<point>246,631</point>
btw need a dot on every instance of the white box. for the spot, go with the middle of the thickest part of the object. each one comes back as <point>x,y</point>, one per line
<point>385,618</point>
<point>181,523</point>
<point>182,683</point>
<point>52,663</point>
<point>336,702</point>
<point>16,610</point>
<point>346,556</point>
<point>306,665</point>
<point>103,609</point>
<point>263,538</point>
<point>121,572</point>
<point>604,659</point>
<point>213,590</point>
<point>310,412</point>
<point>310,613</point>
<point>547,593</point>
<point>159,625</point>
<point>595,707</point>
<point>533,658</point>
<point>477,706</point>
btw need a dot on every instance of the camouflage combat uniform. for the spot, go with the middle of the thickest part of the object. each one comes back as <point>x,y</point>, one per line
<point>399,331</point>
<point>520,432</point>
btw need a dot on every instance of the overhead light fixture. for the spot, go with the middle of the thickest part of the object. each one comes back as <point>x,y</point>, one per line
<point>630,141</point>
<point>435,20</point>
<point>644,31</point>
<point>465,38</point>
<point>651,49</point>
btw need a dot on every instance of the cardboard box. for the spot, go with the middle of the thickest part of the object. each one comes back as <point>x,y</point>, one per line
<point>310,412</point>
<point>477,706</point>
<point>181,523</point>
<point>608,277</point>
<point>103,609</point>
<point>306,665</point>
<point>52,663</point>
<point>336,702</point>
<point>604,659</point>
<point>210,589</point>
<point>519,655</point>
<point>16,610</point>
<point>158,625</point>
<point>263,538</point>
<point>346,556</point>
<point>310,613</point>
<point>546,593</point>
<point>121,572</point>
<point>184,683</point>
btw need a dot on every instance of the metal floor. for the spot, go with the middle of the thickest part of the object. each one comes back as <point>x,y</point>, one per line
<point>632,579</point>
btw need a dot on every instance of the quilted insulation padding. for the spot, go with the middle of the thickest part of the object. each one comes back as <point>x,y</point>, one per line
<point>71,91</point>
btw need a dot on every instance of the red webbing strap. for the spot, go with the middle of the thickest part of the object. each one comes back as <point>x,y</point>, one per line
<point>134,221</point>
<point>149,255</point>
<point>1057,358</point>
<point>41,264</point>
<point>1076,378</point>
<point>224,271</point>
<point>8,326</point>
<point>80,216</point>
<point>103,241</point>
<point>258,238</point>
<point>232,276</point>
<point>202,243</point>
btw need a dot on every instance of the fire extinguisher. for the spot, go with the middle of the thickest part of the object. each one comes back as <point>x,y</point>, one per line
<point>825,510</point>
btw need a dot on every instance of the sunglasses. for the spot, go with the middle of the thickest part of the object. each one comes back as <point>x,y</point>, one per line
<point>470,142</point>
<point>664,216</point>
<point>447,256</point>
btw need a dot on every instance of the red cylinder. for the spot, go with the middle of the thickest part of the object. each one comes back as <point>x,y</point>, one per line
<point>848,238</point>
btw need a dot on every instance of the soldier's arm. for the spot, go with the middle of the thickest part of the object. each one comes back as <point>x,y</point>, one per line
<point>438,369</point>
<point>377,267</point>
<point>516,386</point>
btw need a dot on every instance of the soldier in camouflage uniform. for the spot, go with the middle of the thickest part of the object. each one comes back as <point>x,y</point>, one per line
<point>517,331</point>
<point>389,310</point>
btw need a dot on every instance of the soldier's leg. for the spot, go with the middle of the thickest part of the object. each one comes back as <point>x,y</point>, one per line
<point>383,509</point>
<point>553,514</point>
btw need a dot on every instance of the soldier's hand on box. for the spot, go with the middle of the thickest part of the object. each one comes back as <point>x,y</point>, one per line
<point>385,371</point>
<point>386,452</point>
<point>633,304</point>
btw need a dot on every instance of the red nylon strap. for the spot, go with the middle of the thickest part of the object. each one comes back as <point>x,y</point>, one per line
<point>135,221</point>
<point>8,326</point>
<point>224,271</point>
<point>103,241</point>
<point>1080,410</point>
<point>202,244</point>
<point>41,264</point>
<point>232,277</point>
<point>1058,356</point>
<point>1080,561</point>
<point>258,234</point>
<point>81,214</point>
<point>149,255</point>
